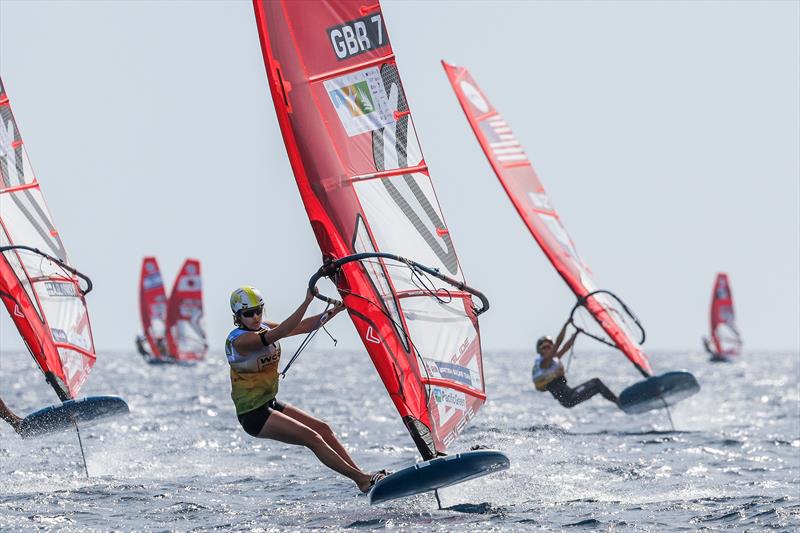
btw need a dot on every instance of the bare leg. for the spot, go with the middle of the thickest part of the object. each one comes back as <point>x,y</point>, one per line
<point>323,429</point>
<point>9,416</point>
<point>594,386</point>
<point>285,429</point>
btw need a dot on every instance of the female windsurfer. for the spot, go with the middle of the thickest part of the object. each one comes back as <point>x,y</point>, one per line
<point>548,373</point>
<point>253,353</point>
<point>9,416</point>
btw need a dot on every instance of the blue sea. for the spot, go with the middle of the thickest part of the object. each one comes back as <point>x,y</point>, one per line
<point>180,462</point>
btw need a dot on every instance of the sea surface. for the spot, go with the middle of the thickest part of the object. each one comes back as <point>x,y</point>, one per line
<point>180,462</point>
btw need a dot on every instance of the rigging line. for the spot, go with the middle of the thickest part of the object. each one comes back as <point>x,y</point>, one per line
<point>62,264</point>
<point>331,268</point>
<point>595,337</point>
<point>419,279</point>
<point>309,336</point>
<point>582,303</point>
<point>399,327</point>
<point>426,285</point>
<point>328,333</point>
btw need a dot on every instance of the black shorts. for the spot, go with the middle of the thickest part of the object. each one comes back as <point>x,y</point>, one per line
<point>253,421</point>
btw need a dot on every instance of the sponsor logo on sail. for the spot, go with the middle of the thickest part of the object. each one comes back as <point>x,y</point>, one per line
<point>455,373</point>
<point>356,98</point>
<point>55,288</point>
<point>59,335</point>
<point>360,101</point>
<point>450,398</point>
<point>371,337</point>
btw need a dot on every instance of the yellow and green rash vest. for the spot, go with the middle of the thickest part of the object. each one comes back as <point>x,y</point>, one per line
<point>254,378</point>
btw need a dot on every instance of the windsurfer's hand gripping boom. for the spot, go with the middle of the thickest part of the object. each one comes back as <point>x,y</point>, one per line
<point>307,325</point>
<point>559,350</point>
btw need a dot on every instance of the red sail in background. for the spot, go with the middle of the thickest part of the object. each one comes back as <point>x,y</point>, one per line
<point>186,337</point>
<point>516,174</point>
<point>153,307</point>
<point>45,301</point>
<point>354,151</point>
<point>724,334</point>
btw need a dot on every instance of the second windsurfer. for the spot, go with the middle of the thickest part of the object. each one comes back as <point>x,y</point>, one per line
<point>548,373</point>
<point>253,353</point>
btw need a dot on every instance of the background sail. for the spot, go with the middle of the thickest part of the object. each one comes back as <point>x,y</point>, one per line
<point>724,333</point>
<point>153,307</point>
<point>45,301</point>
<point>516,174</point>
<point>365,186</point>
<point>186,336</point>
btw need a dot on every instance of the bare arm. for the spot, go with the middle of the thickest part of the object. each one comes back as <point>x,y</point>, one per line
<point>560,337</point>
<point>567,346</point>
<point>313,322</point>
<point>250,342</point>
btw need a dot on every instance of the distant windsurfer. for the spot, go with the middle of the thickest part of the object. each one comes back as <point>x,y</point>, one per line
<point>253,353</point>
<point>548,373</point>
<point>140,347</point>
<point>9,416</point>
<point>710,351</point>
<point>161,345</point>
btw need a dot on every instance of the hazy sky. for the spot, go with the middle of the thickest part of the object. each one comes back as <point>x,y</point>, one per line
<point>666,134</point>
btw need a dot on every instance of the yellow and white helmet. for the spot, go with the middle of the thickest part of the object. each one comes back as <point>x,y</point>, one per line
<point>245,297</point>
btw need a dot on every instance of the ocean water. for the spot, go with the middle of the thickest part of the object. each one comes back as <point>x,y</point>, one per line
<point>180,462</point>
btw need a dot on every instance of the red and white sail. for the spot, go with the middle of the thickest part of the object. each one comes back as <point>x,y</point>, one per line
<point>725,337</point>
<point>515,172</point>
<point>153,307</point>
<point>45,300</point>
<point>186,335</point>
<point>350,138</point>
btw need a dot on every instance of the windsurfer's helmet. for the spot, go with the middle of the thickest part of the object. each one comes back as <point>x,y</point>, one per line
<point>543,340</point>
<point>245,297</point>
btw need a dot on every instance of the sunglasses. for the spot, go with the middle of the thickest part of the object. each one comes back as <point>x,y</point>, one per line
<point>250,313</point>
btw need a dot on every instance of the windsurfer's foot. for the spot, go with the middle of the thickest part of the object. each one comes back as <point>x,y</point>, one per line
<point>365,487</point>
<point>17,424</point>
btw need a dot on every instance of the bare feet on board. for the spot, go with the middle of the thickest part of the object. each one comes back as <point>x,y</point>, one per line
<point>365,487</point>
